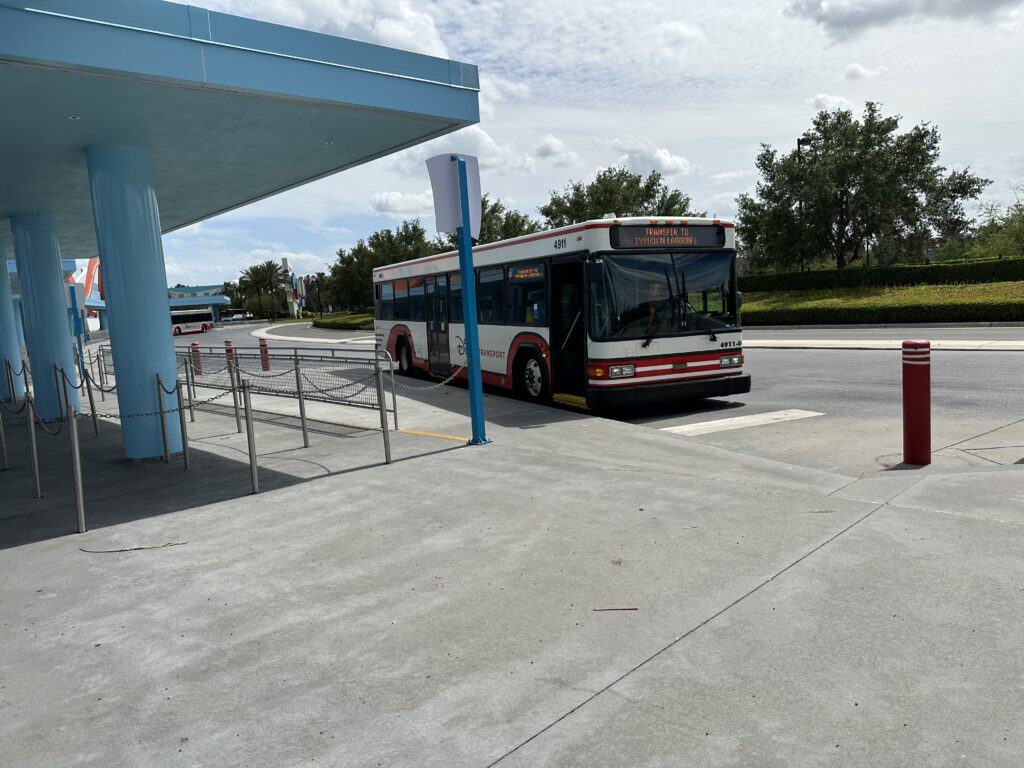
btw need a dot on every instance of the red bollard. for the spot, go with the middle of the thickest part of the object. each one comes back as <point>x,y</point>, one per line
<point>264,355</point>
<point>197,359</point>
<point>917,402</point>
<point>229,350</point>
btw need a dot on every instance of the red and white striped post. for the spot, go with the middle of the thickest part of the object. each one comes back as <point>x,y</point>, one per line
<point>229,351</point>
<point>917,402</point>
<point>264,355</point>
<point>197,358</point>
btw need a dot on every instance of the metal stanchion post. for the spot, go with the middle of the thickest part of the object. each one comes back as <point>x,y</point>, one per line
<point>92,403</point>
<point>181,419</point>
<point>382,403</point>
<point>233,377</point>
<point>76,468</point>
<point>10,380</point>
<point>302,401</point>
<point>190,387</point>
<point>394,392</point>
<point>163,423</point>
<point>33,449</point>
<point>251,437</point>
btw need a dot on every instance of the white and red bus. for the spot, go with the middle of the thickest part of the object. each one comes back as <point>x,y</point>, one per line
<point>191,321</point>
<point>613,311</point>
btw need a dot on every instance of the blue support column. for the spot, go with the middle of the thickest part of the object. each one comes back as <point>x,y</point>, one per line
<point>101,315</point>
<point>46,309</point>
<point>469,315</point>
<point>127,219</point>
<point>10,346</point>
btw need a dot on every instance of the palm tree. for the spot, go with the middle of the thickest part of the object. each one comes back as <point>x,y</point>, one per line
<point>265,278</point>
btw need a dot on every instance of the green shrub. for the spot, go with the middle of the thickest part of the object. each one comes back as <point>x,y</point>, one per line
<point>361,322</point>
<point>945,273</point>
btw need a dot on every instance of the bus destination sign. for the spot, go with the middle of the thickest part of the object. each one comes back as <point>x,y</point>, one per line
<point>667,236</point>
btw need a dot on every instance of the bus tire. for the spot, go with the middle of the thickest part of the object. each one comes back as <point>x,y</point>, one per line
<point>176,331</point>
<point>532,381</point>
<point>404,356</point>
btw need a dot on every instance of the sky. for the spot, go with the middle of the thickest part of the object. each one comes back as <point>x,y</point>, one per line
<point>689,89</point>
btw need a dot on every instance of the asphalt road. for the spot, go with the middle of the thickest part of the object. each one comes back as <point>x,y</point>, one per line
<point>857,393</point>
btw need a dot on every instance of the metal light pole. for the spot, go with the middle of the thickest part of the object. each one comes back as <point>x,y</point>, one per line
<point>801,142</point>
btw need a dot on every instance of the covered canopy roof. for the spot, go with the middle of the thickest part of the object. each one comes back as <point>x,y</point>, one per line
<point>232,109</point>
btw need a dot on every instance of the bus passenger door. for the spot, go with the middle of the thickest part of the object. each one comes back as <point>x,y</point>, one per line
<point>437,325</point>
<point>568,329</point>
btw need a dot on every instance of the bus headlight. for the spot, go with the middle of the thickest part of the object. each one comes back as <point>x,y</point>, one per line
<point>730,361</point>
<point>621,371</point>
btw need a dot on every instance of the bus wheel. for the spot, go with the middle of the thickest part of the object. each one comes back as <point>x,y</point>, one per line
<point>532,378</point>
<point>176,331</point>
<point>404,358</point>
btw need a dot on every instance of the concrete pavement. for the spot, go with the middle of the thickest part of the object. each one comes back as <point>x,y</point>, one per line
<point>450,610</point>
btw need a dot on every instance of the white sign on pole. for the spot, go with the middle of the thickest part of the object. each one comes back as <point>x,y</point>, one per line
<point>444,182</point>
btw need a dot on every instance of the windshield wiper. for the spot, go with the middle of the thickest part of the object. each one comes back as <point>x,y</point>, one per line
<point>707,326</point>
<point>652,329</point>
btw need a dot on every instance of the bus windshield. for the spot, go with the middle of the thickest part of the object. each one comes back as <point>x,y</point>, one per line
<point>647,295</point>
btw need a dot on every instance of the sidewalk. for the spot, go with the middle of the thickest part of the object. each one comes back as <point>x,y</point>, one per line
<point>580,592</point>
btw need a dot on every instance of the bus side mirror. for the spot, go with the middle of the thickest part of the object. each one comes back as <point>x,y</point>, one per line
<point>594,271</point>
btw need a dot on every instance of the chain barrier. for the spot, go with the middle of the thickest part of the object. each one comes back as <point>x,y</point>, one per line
<point>328,392</point>
<point>63,423</point>
<point>106,390</point>
<point>12,411</point>
<point>261,375</point>
<point>67,380</point>
<point>428,387</point>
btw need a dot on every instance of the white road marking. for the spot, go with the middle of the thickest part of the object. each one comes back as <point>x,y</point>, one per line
<point>738,422</point>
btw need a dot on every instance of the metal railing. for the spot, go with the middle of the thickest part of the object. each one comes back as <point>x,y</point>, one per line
<point>240,373</point>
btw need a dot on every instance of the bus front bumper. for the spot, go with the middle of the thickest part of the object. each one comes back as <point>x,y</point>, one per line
<point>642,394</point>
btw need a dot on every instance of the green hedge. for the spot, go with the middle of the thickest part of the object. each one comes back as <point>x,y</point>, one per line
<point>880,277</point>
<point>346,323</point>
<point>988,302</point>
<point>1004,311</point>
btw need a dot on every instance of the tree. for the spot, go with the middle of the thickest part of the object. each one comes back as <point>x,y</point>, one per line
<point>856,184</point>
<point>262,280</point>
<point>1001,233</point>
<point>352,272</point>
<point>497,222</point>
<point>231,290</point>
<point>619,191</point>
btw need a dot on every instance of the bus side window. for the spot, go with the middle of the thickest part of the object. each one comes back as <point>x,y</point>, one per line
<point>491,296</point>
<point>455,298</point>
<point>416,311</point>
<point>527,294</point>
<point>387,301</point>
<point>401,299</point>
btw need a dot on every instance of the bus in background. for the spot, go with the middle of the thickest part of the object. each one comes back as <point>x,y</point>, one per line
<point>191,321</point>
<point>608,312</point>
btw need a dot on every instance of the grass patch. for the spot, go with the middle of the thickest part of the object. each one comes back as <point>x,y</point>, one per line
<point>357,322</point>
<point>985,302</point>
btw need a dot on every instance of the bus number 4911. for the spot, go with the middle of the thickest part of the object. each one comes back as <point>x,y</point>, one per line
<point>561,243</point>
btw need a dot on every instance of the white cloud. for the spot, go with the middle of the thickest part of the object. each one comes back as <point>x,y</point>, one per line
<point>857,71</point>
<point>641,155</point>
<point>403,205</point>
<point>554,151</point>
<point>727,176</point>
<point>495,90</point>
<point>828,102</point>
<point>474,140</point>
<point>841,18</point>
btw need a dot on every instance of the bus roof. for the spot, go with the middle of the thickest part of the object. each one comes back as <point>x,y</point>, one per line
<point>560,231</point>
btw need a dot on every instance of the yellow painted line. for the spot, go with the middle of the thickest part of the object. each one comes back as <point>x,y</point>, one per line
<point>434,434</point>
